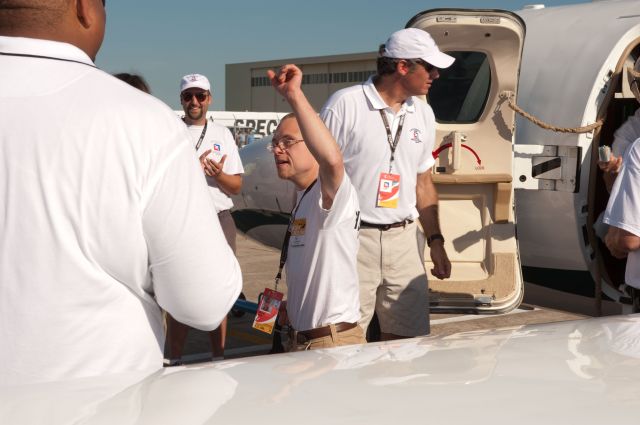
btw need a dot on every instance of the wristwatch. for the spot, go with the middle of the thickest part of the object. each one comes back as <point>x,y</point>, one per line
<point>434,237</point>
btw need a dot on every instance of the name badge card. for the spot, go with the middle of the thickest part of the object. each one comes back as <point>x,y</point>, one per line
<point>216,152</point>
<point>298,228</point>
<point>388,190</point>
<point>267,312</point>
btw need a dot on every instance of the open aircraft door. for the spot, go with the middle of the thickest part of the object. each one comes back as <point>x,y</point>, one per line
<point>474,158</point>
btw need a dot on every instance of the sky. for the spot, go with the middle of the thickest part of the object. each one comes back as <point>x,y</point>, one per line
<point>162,40</point>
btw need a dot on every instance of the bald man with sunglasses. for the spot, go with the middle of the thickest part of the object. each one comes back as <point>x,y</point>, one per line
<point>102,208</point>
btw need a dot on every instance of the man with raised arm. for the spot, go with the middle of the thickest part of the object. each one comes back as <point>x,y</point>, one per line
<point>322,238</point>
<point>103,202</point>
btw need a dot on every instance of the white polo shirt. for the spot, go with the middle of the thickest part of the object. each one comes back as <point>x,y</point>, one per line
<point>352,115</point>
<point>628,133</point>
<point>623,209</point>
<point>322,277</point>
<point>102,203</point>
<point>219,139</point>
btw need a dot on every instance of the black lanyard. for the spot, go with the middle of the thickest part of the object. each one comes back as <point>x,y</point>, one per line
<point>24,55</point>
<point>393,143</point>
<point>204,131</point>
<point>285,245</point>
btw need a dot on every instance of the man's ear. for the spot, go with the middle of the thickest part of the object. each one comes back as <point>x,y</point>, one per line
<point>86,13</point>
<point>402,67</point>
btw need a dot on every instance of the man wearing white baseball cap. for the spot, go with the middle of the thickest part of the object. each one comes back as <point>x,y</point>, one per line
<point>387,135</point>
<point>220,161</point>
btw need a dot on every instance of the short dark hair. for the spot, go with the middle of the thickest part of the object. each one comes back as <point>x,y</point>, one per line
<point>388,66</point>
<point>19,14</point>
<point>134,80</point>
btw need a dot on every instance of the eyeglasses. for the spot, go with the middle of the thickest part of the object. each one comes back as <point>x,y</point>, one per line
<point>426,65</point>
<point>283,143</point>
<point>187,96</point>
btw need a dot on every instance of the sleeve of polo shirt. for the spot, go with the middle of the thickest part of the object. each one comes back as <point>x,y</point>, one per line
<point>345,206</point>
<point>233,164</point>
<point>427,160</point>
<point>623,209</point>
<point>331,116</point>
<point>196,277</point>
<point>626,134</point>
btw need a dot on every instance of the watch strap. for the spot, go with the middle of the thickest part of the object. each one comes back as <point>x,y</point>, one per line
<point>434,237</point>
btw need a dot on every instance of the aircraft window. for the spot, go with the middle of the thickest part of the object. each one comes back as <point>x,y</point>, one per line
<point>461,92</point>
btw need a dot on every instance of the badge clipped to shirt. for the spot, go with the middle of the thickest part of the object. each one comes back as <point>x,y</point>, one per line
<point>267,312</point>
<point>388,190</point>
<point>298,228</point>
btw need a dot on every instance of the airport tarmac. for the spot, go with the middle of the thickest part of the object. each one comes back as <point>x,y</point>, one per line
<point>259,265</point>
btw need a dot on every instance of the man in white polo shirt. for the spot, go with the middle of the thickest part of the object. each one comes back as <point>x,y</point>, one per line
<point>102,208</point>
<point>220,161</point>
<point>322,239</point>
<point>387,135</point>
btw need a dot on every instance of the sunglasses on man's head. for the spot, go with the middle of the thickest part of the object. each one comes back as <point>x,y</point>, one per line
<point>187,96</point>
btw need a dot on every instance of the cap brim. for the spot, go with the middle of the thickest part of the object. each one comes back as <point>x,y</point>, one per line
<point>439,60</point>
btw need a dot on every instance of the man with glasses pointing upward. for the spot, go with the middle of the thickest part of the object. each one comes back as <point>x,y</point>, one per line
<point>320,247</point>
<point>220,162</point>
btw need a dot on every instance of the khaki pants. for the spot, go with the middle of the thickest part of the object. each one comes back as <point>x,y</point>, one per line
<point>393,281</point>
<point>348,337</point>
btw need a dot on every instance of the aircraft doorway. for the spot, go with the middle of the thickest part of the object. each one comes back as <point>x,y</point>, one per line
<point>620,105</point>
<point>474,158</point>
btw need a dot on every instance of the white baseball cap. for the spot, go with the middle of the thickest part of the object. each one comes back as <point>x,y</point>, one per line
<point>414,43</point>
<point>194,80</point>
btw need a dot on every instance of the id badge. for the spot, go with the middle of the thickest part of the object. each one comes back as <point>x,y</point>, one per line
<point>267,312</point>
<point>216,152</point>
<point>298,228</point>
<point>388,190</point>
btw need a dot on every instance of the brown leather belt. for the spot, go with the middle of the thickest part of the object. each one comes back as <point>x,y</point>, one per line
<point>384,227</point>
<point>306,336</point>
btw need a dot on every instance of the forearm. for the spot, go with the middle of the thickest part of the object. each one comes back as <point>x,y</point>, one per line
<point>196,277</point>
<point>231,184</point>
<point>317,137</point>
<point>622,241</point>
<point>427,204</point>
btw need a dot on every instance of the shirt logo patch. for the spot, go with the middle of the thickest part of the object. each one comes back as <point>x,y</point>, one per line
<point>415,135</point>
<point>216,147</point>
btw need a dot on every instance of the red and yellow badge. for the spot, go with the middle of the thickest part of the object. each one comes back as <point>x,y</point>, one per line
<point>388,190</point>
<point>267,312</point>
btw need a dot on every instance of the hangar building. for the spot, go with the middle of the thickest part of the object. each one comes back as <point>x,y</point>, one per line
<point>249,89</point>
